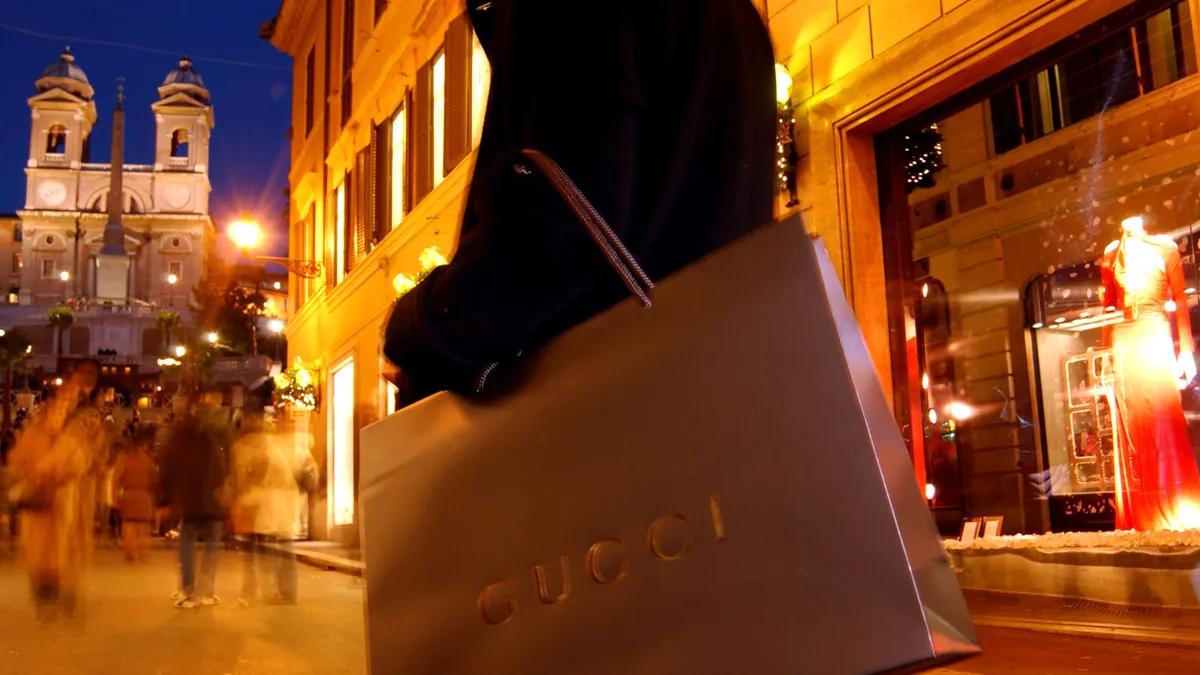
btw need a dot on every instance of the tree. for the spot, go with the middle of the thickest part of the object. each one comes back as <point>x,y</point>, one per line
<point>223,306</point>
<point>14,354</point>
<point>60,318</point>
<point>168,323</point>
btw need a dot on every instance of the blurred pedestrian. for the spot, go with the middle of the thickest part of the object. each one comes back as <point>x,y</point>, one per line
<point>268,482</point>
<point>135,479</point>
<point>57,462</point>
<point>194,478</point>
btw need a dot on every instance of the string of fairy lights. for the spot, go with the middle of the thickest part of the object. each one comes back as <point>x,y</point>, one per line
<point>922,157</point>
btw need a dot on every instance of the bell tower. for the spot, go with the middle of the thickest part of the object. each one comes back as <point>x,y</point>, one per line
<point>62,115</point>
<point>183,120</point>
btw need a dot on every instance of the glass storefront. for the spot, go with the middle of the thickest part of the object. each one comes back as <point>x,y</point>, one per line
<point>1041,234</point>
<point>342,435</point>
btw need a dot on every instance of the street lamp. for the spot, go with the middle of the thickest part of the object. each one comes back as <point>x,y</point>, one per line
<point>180,351</point>
<point>171,281</point>
<point>275,325</point>
<point>245,234</point>
<point>65,276</point>
<point>212,337</point>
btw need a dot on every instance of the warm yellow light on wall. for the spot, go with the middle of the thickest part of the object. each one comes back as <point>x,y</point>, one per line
<point>783,83</point>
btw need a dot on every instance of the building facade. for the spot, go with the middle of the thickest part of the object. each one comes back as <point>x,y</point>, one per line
<point>387,110</point>
<point>1048,133</point>
<point>57,244</point>
<point>978,284</point>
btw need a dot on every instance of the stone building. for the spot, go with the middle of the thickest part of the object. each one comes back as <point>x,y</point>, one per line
<point>162,226</point>
<point>387,108</point>
<point>977,285</point>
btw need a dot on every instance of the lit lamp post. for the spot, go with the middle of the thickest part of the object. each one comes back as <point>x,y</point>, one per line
<point>66,277</point>
<point>171,281</point>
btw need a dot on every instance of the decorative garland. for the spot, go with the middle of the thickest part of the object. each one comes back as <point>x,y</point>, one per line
<point>785,145</point>
<point>923,157</point>
<point>297,387</point>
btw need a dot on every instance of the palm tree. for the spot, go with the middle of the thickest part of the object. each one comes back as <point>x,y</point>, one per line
<point>14,351</point>
<point>168,323</point>
<point>61,318</point>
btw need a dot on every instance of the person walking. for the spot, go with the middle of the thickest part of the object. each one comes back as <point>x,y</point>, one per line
<point>57,463</point>
<point>194,478</point>
<point>268,495</point>
<point>135,478</point>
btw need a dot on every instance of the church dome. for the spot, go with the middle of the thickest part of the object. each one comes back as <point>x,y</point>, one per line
<point>184,74</point>
<point>64,71</point>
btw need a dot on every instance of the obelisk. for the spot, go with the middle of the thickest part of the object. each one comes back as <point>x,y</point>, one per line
<point>112,264</point>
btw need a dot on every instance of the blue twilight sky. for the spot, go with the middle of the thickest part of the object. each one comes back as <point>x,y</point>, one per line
<point>251,105</point>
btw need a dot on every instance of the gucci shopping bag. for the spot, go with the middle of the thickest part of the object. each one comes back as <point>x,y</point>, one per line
<point>713,485</point>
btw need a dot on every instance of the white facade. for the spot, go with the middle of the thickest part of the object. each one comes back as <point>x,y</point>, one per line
<point>166,220</point>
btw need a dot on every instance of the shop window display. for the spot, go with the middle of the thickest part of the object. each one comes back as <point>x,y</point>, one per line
<point>1115,354</point>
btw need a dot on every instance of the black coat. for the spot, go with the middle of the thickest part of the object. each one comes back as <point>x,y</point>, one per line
<point>663,113</point>
<point>194,471</point>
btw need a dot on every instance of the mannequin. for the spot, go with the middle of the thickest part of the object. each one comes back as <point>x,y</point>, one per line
<point>1158,484</point>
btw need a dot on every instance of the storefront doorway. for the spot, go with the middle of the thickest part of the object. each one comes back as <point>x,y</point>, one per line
<point>342,433</point>
<point>997,207</point>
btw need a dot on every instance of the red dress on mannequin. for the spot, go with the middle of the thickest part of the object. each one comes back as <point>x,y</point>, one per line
<point>1157,481</point>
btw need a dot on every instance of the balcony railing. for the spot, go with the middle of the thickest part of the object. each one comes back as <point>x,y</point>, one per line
<point>178,162</point>
<point>54,158</point>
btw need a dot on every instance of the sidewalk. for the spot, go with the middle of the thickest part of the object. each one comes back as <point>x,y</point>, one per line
<point>1158,625</point>
<point>1082,618</point>
<point>328,555</point>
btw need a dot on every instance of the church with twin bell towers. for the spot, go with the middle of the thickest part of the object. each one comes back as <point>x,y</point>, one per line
<point>116,242</point>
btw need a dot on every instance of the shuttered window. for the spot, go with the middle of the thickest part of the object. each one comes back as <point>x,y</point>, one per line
<point>340,226</point>
<point>381,164</point>
<point>422,130</point>
<point>458,62</point>
<point>360,178</point>
<point>310,88</point>
<point>347,59</point>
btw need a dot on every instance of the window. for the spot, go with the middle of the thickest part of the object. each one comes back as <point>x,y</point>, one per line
<point>310,88</point>
<point>347,59</point>
<point>18,234</point>
<point>175,269</point>
<point>1123,65</point>
<point>49,269</point>
<point>438,108</point>
<point>399,176</point>
<point>340,229</point>
<point>179,143</point>
<point>481,78</point>
<point>56,139</point>
<point>342,445</point>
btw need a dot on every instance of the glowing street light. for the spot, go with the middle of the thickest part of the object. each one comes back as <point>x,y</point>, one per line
<point>278,285</point>
<point>180,351</point>
<point>245,233</point>
<point>172,279</point>
<point>212,337</point>
<point>65,276</point>
<point>275,325</point>
<point>58,381</point>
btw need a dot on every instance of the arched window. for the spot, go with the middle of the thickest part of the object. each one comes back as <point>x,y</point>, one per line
<point>56,139</point>
<point>179,143</point>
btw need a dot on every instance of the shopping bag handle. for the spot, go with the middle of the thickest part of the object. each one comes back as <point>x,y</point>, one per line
<point>619,257</point>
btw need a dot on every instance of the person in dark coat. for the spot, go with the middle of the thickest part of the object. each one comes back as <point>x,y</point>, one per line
<point>194,480</point>
<point>664,115</point>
